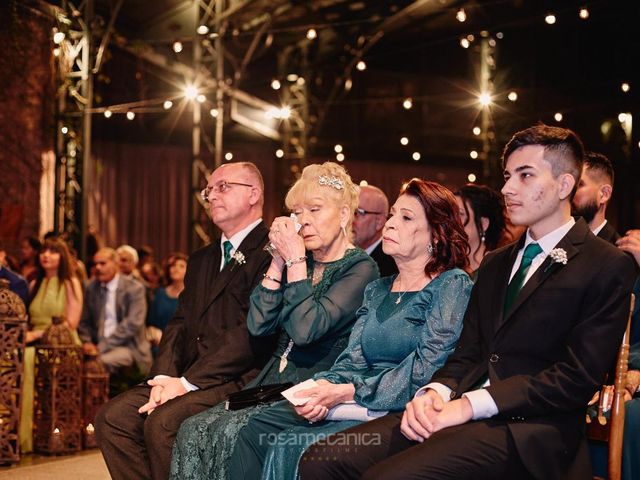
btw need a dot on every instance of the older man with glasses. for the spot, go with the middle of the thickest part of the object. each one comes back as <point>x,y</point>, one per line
<point>206,351</point>
<point>369,219</point>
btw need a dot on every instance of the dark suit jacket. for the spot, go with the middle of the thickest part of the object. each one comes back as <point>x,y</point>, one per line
<point>386,264</point>
<point>608,233</point>
<point>546,357</point>
<point>207,340</point>
<point>131,312</point>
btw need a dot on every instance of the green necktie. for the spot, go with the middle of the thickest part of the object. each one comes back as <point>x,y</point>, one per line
<point>517,282</point>
<point>227,251</point>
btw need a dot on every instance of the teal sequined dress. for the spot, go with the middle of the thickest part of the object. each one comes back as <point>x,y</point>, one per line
<point>317,319</point>
<point>394,349</point>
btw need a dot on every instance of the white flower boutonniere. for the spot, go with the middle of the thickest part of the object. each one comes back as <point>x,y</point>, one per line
<point>558,255</point>
<point>238,256</point>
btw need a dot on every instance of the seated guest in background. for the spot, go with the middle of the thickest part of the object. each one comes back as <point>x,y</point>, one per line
<point>17,283</point>
<point>373,207</point>
<point>128,262</point>
<point>29,249</point>
<point>593,194</point>
<point>165,300</point>
<point>145,255</point>
<point>56,292</point>
<point>482,214</point>
<point>542,328</point>
<point>309,295</point>
<point>407,326</point>
<point>206,351</point>
<point>152,275</point>
<point>113,317</point>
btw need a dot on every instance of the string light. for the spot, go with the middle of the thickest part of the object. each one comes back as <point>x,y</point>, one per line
<point>550,19</point>
<point>625,87</point>
<point>407,104</point>
<point>228,156</point>
<point>167,104</point>
<point>201,98</point>
<point>499,35</point>
<point>558,117</point>
<point>279,153</point>
<point>191,92</point>
<point>312,34</point>
<point>340,157</point>
<point>131,115</point>
<point>461,15</point>
<point>477,131</point>
<point>64,130</point>
<point>415,156</point>
<point>513,96</point>
<point>404,141</point>
<point>473,154</point>
<point>275,84</point>
<point>292,77</point>
<point>58,37</point>
<point>471,177</point>
<point>622,117</point>
<point>177,46</point>
<point>484,99</point>
<point>584,13</point>
<point>337,148</point>
<point>202,30</point>
<point>348,84</point>
<point>108,113</point>
<point>464,43</point>
<point>361,66</point>
<point>364,183</point>
<point>56,52</point>
<point>214,112</point>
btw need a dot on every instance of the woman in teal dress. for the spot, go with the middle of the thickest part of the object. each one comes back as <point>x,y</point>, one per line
<point>310,299</point>
<point>406,328</point>
<point>56,292</point>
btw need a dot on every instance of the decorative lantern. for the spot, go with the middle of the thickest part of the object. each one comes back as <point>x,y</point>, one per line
<point>95,393</point>
<point>58,390</point>
<point>13,329</point>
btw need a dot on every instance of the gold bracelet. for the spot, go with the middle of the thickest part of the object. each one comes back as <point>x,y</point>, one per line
<point>269,277</point>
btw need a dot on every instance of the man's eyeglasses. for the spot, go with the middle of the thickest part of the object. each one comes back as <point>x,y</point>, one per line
<point>361,212</point>
<point>221,187</point>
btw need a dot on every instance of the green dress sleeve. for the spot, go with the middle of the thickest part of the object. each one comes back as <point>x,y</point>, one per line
<point>392,387</point>
<point>308,313</point>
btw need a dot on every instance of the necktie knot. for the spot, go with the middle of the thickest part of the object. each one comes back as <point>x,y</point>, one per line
<point>227,246</point>
<point>531,252</point>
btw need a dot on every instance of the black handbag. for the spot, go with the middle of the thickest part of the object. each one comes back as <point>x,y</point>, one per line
<point>255,396</point>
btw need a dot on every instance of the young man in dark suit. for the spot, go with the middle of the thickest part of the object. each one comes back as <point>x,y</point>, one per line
<point>543,325</point>
<point>206,351</point>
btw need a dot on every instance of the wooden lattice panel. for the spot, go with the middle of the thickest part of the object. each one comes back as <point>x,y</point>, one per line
<point>12,338</point>
<point>58,406</point>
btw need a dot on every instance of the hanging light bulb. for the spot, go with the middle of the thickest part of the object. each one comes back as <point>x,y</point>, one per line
<point>167,104</point>
<point>202,30</point>
<point>477,131</point>
<point>461,15</point>
<point>550,19</point>
<point>340,157</point>
<point>473,154</point>
<point>408,103</point>
<point>558,117</point>
<point>513,96</point>
<point>228,156</point>
<point>404,141</point>
<point>177,46</point>
<point>361,66</point>
<point>275,84</point>
<point>131,115</point>
<point>279,153</point>
<point>337,148</point>
<point>108,113</point>
<point>625,87</point>
<point>464,43</point>
<point>312,34</point>
<point>416,156</point>
<point>583,13</point>
<point>471,177</point>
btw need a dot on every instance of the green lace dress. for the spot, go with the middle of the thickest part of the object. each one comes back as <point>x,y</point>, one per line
<point>314,323</point>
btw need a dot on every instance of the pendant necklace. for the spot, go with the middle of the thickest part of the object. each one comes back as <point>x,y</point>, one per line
<point>399,299</point>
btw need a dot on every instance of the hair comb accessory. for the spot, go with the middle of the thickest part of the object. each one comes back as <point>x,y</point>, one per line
<point>332,181</point>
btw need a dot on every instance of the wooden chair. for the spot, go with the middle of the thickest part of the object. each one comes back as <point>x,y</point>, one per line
<point>612,431</point>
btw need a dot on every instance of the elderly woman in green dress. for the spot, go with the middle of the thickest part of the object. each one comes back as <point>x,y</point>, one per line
<point>309,297</point>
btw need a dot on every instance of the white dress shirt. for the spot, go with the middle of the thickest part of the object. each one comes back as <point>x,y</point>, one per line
<point>373,246</point>
<point>110,318</point>
<point>596,230</point>
<point>481,401</point>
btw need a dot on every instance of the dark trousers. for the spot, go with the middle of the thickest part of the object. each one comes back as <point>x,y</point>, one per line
<point>138,446</point>
<point>378,450</point>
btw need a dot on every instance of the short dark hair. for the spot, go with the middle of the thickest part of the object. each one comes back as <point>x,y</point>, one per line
<point>450,242</point>
<point>563,149</point>
<point>485,202</point>
<point>599,163</point>
<point>171,261</point>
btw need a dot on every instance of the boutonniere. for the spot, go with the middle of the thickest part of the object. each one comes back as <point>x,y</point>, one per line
<point>238,256</point>
<point>558,255</point>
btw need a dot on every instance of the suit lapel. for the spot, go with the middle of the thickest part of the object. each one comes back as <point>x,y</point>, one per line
<point>220,279</point>
<point>569,243</point>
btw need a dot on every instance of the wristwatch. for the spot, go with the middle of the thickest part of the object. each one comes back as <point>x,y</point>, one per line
<point>293,261</point>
